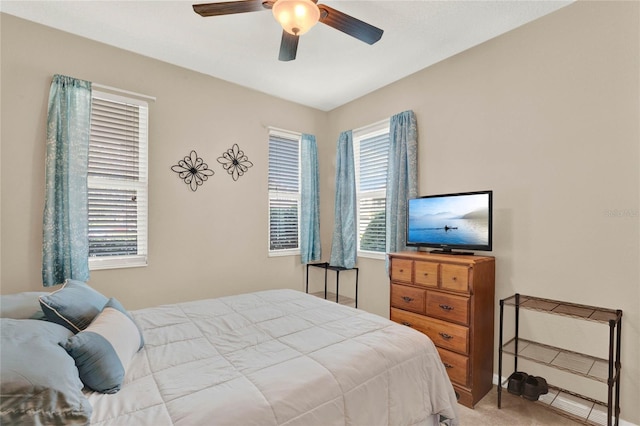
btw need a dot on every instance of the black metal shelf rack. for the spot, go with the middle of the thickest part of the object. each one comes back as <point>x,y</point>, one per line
<point>603,370</point>
<point>327,267</point>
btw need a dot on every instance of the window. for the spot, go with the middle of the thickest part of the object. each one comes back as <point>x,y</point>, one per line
<point>117,182</point>
<point>371,152</point>
<point>284,192</point>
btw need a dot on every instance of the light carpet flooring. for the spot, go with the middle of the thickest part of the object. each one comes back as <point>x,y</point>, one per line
<point>344,300</point>
<point>515,411</point>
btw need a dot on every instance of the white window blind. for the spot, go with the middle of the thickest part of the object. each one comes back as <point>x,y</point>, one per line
<point>371,152</point>
<point>284,192</point>
<point>118,182</point>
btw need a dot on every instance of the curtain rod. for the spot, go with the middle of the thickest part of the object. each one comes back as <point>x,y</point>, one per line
<point>115,89</point>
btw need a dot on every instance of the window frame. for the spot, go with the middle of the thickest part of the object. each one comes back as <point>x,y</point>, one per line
<point>275,195</point>
<point>373,130</point>
<point>141,186</point>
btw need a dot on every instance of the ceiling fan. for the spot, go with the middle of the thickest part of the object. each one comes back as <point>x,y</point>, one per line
<point>296,18</point>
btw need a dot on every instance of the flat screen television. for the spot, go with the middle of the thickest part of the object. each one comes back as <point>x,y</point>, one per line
<point>451,222</point>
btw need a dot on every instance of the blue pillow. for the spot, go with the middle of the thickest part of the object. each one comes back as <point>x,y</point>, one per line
<point>104,349</point>
<point>39,382</point>
<point>21,305</point>
<point>74,305</point>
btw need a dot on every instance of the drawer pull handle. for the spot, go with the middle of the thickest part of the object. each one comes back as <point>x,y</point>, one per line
<point>407,299</point>
<point>447,365</point>
<point>408,324</point>
<point>454,278</point>
<point>446,307</point>
<point>401,270</point>
<point>445,336</point>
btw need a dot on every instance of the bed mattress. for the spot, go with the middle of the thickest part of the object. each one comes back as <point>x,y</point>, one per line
<point>278,357</point>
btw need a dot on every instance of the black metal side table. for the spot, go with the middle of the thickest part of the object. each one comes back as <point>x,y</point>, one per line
<point>338,269</point>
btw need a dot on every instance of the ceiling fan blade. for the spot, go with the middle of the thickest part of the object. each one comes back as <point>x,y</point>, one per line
<point>288,46</point>
<point>349,25</point>
<point>228,7</point>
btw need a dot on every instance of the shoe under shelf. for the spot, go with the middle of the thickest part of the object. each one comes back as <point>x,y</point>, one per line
<point>562,359</point>
<point>571,405</point>
<point>562,401</point>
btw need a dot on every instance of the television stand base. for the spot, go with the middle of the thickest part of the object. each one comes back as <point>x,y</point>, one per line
<point>453,252</point>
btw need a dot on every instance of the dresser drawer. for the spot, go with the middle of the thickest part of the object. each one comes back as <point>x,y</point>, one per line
<point>457,366</point>
<point>455,277</point>
<point>401,270</point>
<point>443,334</point>
<point>448,307</point>
<point>408,298</point>
<point>426,273</point>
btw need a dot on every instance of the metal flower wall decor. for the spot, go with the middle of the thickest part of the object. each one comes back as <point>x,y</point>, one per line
<point>235,162</point>
<point>193,170</point>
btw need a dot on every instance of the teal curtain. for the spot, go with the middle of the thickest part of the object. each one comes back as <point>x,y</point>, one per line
<point>65,251</point>
<point>344,244</point>
<point>310,249</point>
<point>402,178</point>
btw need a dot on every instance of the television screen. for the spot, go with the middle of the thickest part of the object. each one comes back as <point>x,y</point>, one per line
<point>451,221</point>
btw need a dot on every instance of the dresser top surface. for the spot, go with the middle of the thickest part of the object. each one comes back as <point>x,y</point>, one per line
<point>438,257</point>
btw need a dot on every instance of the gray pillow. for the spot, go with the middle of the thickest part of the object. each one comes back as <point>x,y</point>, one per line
<point>73,306</point>
<point>21,305</point>
<point>104,350</point>
<point>39,381</point>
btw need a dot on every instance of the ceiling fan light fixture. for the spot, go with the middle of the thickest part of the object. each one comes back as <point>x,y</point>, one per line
<point>296,16</point>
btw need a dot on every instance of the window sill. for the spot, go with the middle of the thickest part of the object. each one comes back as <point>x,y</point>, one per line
<point>372,255</point>
<point>117,262</point>
<point>281,253</point>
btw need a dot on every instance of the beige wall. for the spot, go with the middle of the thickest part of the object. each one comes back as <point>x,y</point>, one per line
<point>209,243</point>
<point>546,116</point>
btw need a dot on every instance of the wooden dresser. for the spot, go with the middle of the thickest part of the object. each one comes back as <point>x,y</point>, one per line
<point>450,298</point>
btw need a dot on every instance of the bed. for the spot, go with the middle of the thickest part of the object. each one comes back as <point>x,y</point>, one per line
<point>276,357</point>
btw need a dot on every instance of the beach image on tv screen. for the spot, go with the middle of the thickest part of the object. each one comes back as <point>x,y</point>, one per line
<point>461,219</point>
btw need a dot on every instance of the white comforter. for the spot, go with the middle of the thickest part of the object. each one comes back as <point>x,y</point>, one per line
<point>277,357</point>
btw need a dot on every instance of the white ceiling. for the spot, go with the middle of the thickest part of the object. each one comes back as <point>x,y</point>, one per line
<point>331,67</point>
